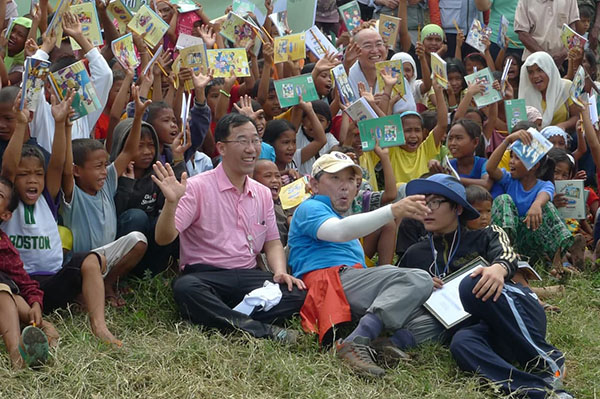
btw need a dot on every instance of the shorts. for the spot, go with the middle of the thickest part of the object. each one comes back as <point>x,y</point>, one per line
<point>6,284</point>
<point>116,250</point>
<point>64,286</point>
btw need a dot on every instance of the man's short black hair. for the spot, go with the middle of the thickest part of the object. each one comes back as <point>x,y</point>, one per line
<point>229,121</point>
<point>82,148</point>
<point>13,201</point>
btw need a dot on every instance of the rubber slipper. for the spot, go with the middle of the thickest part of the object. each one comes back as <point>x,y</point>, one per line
<point>33,347</point>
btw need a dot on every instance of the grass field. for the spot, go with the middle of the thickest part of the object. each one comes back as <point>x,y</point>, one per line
<point>163,357</point>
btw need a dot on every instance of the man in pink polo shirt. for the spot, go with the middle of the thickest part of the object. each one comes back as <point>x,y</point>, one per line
<point>224,219</point>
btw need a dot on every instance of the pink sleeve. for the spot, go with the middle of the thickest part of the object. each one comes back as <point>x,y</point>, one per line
<point>188,208</point>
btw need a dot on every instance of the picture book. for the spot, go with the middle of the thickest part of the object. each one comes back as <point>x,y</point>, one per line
<point>148,22</point>
<point>389,27</point>
<point>184,6</point>
<point>504,76</point>
<point>577,87</point>
<point>153,60</point>
<point>242,7</point>
<point>293,194</point>
<point>515,112</point>
<point>34,76</point>
<point>490,95</point>
<point>448,168</point>
<point>90,25</point>
<point>124,51</point>
<point>439,70</point>
<point>531,154</point>
<point>361,110</point>
<point>55,24</point>
<point>387,129</point>
<point>317,43</point>
<point>237,30</point>
<point>75,76</point>
<point>193,57</point>
<point>226,62</point>
<point>502,32</point>
<point>350,13</point>
<point>289,48</point>
<point>121,13</point>
<point>570,38</point>
<point>477,33</point>
<point>593,108</point>
<point>347,94</point>
<point>289,90</point>
<point>574,192</point>
<point>185,40</point>
<point>303,12</point>
<point>395,69</point>
<point>280,22</point>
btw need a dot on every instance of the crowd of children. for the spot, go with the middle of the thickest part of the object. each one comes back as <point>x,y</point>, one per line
<point>82,191</point>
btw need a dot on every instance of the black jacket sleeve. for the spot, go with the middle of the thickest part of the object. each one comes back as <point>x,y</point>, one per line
<point>499,249</point>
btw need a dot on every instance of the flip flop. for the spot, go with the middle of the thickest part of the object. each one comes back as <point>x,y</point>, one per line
<point>116,301</point>
<point>33,347</point>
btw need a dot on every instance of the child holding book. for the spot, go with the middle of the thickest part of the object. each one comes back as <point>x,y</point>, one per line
<point>307,133</point>
<point>456,86</point>
<point>89,185</point>
<point>526,211</point>
<point>34,230</point>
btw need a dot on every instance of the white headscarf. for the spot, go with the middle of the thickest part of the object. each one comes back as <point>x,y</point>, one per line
<point>557,91</point>
<point>414,86</point>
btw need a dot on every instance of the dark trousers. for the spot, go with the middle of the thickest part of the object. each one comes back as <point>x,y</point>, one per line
<point>511,330</point>
<point>206,295</point>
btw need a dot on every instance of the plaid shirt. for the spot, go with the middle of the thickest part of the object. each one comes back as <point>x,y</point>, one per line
<point>12,266</point>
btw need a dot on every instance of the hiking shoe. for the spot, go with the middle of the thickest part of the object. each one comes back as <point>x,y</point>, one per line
<point>359,356</point>
<point>33,347</point>
<point>388,354</point>
<point>289,337</point>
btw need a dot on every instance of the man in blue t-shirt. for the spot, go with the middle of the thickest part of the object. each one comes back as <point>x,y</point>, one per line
<point>326,253</point>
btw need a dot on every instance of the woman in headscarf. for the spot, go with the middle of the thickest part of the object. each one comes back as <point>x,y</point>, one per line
<point>418,87</point>
<point>542,87</point>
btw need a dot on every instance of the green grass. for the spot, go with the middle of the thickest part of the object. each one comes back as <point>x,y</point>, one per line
<point>164,357</point>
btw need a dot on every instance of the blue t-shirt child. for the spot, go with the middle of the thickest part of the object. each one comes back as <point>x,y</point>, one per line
<point>523,199</point>
<point>478,170</point>
<point>307,252</point>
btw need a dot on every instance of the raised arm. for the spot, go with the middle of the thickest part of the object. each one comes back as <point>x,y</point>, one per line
<point>439,131</point>
<point>425,70</point>
<point>110,30</point>
<point>265,78</point>
<point>492,165</point>
<point>60,112</point>
<point>68,180</point>
<point>12,154</point>
<point>405,41</point>
<point>118,107</point>
<point>320,139</point>
<point>390,192</point>
<point>164,177</point>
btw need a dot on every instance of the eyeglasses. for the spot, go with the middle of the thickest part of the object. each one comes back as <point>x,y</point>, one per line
<point>435,203</point>
<point>370,46</point>
<point>245,142</point>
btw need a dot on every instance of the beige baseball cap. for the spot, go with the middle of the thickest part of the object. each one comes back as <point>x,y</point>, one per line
<point>333,163</point>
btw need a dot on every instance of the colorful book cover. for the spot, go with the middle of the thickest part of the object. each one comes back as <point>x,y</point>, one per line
<point>154,58</point>
<point>531,154</point>
<point>303,12</point>
<point>350,13</point>
<point>477,33</point>
<point>289,48</point>
<point>34,76</point>
<point>185,5</point>
<point>395,69</point>
<point>389,27</point>
<point>193,57</point>
<point>502,32</point>
<point>515,112</point>
<point>148,22</point>
<point>577,87</point>
<point>574,192</point>
<point>387,129</point>
<point>289,90</point>
<point>90,25</point>
<point>122,14</point>
<point>490,95</point>
<point>228,61</point>
<point>242,7</point>
<point>317,43</point>
<point>124,51</point>
<point>439,70</point>
<point>55,24</point>
<point>280,22</point>
<point>360,110</point>
<point>75,76</point>
<point>347,94</point>
<point>184,40</point>
<point>570,38</point>
<point>293,194</point>
<point>237,30</point>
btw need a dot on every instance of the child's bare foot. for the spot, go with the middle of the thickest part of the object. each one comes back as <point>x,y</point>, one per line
<point>577,251</point>
<point>16,360</point>
<point>106,336</point>
<point>113,297</point>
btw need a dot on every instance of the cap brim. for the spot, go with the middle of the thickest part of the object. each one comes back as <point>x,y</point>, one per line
<point>425,186</point>
<point>339,166</point>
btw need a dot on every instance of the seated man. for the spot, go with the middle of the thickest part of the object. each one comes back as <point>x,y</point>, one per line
<point>326,254</point>
<point>508,325</point>
<point>224,219</point>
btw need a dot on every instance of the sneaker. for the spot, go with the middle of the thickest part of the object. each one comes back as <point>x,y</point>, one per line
<point>359,356</point>
<point>561,395</point>
<point>33,347</point>
<point>388,354</point>
<point>289,337</point>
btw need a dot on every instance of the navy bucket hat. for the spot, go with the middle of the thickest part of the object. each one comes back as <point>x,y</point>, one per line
<point>447,186</point>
